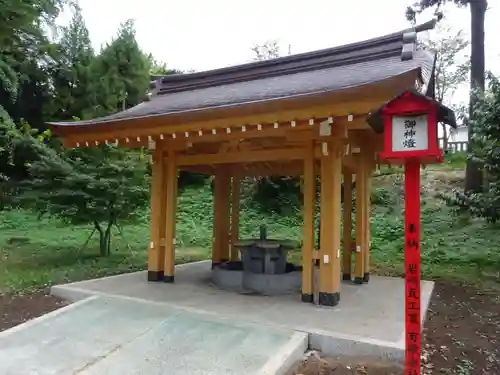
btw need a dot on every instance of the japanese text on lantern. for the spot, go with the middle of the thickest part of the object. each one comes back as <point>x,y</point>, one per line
<point>409,133</point>
<point>412,289</point>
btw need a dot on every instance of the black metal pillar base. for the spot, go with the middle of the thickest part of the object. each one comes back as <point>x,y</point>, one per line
<point>366,277</point>
<point>217,262</point>
<point>358,280</point>
<point>346,277</point>
<point>169,279</point>
<point>306,297</point>
<point>155,275</point>
<point>329,299</point>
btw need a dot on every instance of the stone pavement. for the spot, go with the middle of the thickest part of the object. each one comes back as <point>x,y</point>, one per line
<point>115,336</point>
<point>368,321</point>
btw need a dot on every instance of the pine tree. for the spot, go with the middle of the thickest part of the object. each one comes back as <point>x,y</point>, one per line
<point>102,186</point>
<point>124,71</point>
<point>74,85</point>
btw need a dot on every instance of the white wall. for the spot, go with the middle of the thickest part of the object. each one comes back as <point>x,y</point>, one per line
<point>460,135</point>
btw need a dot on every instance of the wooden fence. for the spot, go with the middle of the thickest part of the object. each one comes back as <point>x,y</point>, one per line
<point>453,147</point>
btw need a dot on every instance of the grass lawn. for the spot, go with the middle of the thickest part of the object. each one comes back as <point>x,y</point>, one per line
<point>40,252</point>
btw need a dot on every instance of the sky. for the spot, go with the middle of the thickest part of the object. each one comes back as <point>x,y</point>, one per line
<point>201,35</point>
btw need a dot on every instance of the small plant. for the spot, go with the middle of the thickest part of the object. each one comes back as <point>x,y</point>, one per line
<point>381,196</point>
<point>99,186</point>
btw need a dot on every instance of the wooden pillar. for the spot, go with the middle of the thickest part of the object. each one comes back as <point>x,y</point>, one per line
<point>156,250</point>
<point>309,195</point>
<point>347,235</point>
<point>329,272</point>
<point>170,219</point>
<point>235,216</point>
<point>222,189</point>
<point>367,238</point>
<point>361,185</point>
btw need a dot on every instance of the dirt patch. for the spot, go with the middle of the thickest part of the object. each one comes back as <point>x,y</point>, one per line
<point>17,309</point>
<point>462,332</point>
<point>461,337</point>
<point>314,365</point>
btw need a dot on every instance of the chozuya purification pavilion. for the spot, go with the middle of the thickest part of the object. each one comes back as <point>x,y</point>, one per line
<point>300,115</point>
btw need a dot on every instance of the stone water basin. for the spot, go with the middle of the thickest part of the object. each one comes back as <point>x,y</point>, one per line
<point>263,268</point>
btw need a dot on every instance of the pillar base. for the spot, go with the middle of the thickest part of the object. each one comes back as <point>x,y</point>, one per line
<point>329,299</point>
<point>366,277</point>
<point>168,279</point>
<point>155,275</point>
<point>217,262</point>
<point>306,297</point>
<point>346,277</point>
<point>358,280</point>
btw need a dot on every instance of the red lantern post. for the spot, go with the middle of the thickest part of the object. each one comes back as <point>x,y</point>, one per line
<point>411,138</point>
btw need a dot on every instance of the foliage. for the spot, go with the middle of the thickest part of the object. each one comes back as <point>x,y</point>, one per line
<point>266,51</point>
<point>421,5</point>
<point>18,147</point>
<point>452,66</point>
<point>124,71</point>
<point>22,42</point>
<point>74,81</point>
<point>455,160</point>
<point>487,152</point>
<point>160,68</point>
<point>473,177</point>
<point>281,195</point>
<point>100,186</point>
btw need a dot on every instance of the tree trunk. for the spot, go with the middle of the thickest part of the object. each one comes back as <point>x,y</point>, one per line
<point>445,137</point>
<point>473,174</point>
<point>104,239</point>
<point>108,239</point>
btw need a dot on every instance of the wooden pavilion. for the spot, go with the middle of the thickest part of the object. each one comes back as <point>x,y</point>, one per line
<point>299,115</point>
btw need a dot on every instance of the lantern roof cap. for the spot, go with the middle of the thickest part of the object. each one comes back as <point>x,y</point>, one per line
<point>444,114</point>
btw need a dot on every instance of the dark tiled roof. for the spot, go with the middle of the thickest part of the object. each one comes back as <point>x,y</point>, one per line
<point>322,71</point>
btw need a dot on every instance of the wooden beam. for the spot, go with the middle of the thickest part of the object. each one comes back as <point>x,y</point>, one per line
<point>347,240</point>
<point>235,215</point>
<point>243,157</point>
<point>170,221</point>
<point>156,251</point>
<point>309,195</point>
<point>300,132</point>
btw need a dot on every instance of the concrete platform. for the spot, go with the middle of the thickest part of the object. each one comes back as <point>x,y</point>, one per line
<point>369,321</point>
<point>117,336</point>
